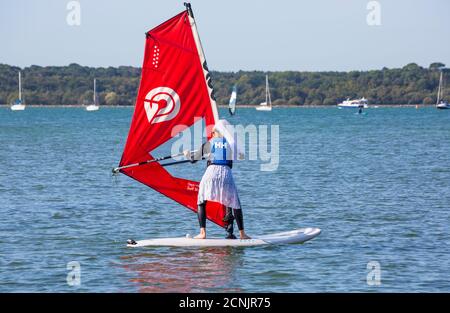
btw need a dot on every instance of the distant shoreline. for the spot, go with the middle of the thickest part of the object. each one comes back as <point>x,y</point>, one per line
<point>243,106</point>
<point>72,85</point>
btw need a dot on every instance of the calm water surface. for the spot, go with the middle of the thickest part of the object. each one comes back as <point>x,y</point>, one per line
<point>378,185</point>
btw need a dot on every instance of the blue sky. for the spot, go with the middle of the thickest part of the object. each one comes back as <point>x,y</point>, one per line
<point>317,35</point>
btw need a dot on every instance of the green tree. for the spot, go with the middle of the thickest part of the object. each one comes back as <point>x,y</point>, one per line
<point>436,65</point>
<point>54,85</point>
<point>111,98</point>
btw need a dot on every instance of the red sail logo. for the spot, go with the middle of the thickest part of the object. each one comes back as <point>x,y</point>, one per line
<point>161,104</point>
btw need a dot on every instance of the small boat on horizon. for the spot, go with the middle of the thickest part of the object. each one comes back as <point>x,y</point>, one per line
<point>19,103</point>
<point>94,106</point>
<point>267,105</point>
<point>441,103</point>
<point>357,103</point>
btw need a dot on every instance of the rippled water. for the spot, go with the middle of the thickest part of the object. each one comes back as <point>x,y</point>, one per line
<point>376,184</point>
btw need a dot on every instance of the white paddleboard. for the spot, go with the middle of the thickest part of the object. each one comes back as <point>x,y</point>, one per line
<point>294,236</point>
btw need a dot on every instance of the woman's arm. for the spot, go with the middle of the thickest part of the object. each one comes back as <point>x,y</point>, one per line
<point>199,154</point>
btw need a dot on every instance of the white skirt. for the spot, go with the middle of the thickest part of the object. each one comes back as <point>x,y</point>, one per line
<point>217,185</point>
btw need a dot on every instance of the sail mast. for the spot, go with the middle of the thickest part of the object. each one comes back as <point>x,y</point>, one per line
<point>201,53</point>
<point>95,91</point>
<point>439,89</point>
<point>20,87</point>
<point>268,90</point>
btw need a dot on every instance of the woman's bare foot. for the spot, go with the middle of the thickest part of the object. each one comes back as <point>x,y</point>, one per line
<point>202,234</point>
<point>243,235</point>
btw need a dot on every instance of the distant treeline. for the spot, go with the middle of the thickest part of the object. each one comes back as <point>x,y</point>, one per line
<point>73,84</point>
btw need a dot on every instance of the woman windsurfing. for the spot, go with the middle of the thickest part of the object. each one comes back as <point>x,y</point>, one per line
<point>217,183</point>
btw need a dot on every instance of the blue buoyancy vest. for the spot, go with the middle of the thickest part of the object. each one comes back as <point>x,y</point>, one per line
<point>220,152</point>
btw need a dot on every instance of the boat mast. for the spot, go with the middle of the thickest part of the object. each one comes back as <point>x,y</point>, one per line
<point>439,89</point>
<point>268,91</point>
<point>201,53</point>
<point>95,91</point>
<point>20,87</point>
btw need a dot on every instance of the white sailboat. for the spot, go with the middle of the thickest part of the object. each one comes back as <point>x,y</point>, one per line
<point>94,106</point>
<point>232,103</point>
<point>441,103</point>
<point>19,104</point>
<point>267,105</point>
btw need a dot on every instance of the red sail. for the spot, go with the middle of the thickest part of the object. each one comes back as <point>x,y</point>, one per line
<point>173,91</point>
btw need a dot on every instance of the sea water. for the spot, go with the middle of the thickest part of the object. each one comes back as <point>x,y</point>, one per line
<point>378,185</point>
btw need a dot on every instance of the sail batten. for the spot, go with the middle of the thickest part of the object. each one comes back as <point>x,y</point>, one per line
<point>175,91</point>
